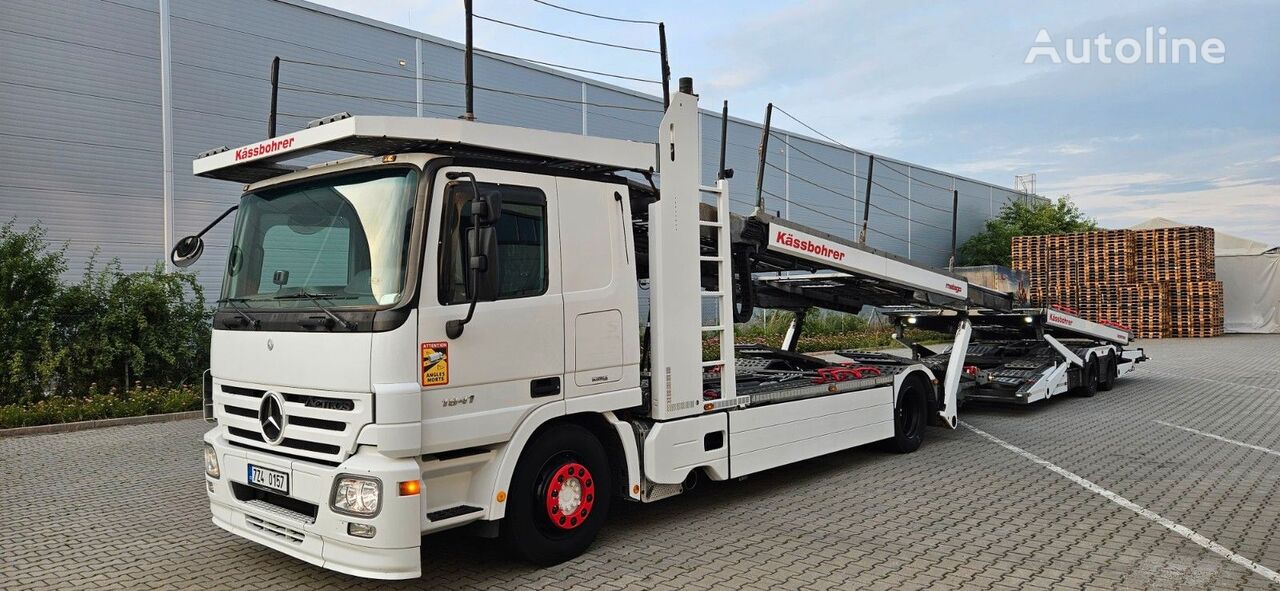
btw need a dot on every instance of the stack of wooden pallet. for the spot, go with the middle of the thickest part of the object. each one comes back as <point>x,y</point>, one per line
<point>1157,282</point>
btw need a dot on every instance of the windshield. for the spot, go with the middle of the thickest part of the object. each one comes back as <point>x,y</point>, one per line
<point>339,241</point>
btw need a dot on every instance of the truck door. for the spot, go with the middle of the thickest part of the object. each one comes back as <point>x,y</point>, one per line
<point>510,357</point>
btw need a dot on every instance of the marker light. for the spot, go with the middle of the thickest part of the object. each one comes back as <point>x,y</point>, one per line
<point>1027,319</point>
<point>911,320</point>
<point>409,488</point>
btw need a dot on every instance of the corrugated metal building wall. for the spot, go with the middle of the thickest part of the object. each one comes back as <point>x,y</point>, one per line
<point>82,140</point>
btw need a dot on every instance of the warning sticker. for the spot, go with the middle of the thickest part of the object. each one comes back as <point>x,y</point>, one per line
<point>435,364</point>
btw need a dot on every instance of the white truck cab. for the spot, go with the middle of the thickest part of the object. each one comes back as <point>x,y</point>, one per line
<point>445,329</point>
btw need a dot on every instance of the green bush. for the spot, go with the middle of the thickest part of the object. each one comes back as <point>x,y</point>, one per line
<point>112,330</point>
<point>103,405</point>
<point>29,289</point>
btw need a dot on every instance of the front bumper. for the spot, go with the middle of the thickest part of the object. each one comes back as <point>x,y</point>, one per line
<point>322,540</point>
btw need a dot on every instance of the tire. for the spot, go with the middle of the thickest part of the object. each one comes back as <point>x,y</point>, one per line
<point>909,418</point>
<point>1089,386</point>
<point>1107,380</point>
<point>563,466</point>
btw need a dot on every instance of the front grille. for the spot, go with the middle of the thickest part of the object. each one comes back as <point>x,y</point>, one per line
<point>319,426</point>
<point>278,504</point>
<point>275,530</point>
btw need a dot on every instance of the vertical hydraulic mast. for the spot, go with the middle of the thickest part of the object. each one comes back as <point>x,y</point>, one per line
<point>675,281</point>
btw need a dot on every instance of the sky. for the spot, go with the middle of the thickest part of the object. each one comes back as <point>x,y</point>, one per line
<point>947,85</point>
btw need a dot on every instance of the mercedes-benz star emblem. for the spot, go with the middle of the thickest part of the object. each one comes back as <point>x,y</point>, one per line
<point>271,417</point>
<point>271,345</point>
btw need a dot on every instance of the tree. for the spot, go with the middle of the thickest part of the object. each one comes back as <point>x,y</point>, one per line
<point>991,245</point>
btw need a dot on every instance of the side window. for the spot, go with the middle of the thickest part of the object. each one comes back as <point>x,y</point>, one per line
<point>522,242</point>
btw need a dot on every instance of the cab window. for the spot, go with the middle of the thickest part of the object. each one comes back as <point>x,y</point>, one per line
<point>522,242</point>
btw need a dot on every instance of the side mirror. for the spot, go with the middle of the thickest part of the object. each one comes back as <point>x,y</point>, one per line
<point>487,208</point>
<point>187,251</point>
<point>482,243</point>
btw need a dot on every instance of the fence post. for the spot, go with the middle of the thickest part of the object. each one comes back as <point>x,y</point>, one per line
<point>467,59</point>
<point>764,154</point>
<point>866,201</point>
<point>955,206</point>
<point>275,91</point>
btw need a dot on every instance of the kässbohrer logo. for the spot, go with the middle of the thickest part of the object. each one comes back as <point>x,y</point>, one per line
<point>1060,319</point>
<point>788,239</point>
<point>264,148</point>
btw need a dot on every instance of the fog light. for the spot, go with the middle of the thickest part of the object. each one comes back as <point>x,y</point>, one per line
<point>211,462</point>
<point>361,530</point>
<point>356,495</point>
<point>209,485</point>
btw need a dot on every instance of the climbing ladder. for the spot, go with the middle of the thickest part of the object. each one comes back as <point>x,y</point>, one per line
<point>721,326</point>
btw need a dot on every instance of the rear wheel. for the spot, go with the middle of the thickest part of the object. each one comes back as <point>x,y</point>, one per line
<point>1088,379</point>
<point>1107,379</point>
<point>560,495</point>
<point>909,418</point>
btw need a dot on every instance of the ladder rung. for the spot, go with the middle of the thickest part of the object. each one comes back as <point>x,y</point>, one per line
<point>711,224</point>
<point>709,189</point>
<point>714,362</point>
<point>711,328</point>
<point>711,294</point>
<point>711,259</point>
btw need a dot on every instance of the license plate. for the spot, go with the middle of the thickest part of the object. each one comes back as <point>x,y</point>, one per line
<point>268,478</point>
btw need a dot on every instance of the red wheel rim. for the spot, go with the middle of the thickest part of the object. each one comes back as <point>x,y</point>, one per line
<point>570,496</point>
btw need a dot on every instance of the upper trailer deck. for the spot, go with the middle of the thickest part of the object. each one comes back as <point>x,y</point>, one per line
<point>378,135</point>
<point>846,275</point>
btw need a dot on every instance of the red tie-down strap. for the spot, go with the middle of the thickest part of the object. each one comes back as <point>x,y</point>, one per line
<point>845,372</point>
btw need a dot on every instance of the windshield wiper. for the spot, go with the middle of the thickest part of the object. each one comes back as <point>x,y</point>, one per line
<point>254,322</point>
<point>315,299</point>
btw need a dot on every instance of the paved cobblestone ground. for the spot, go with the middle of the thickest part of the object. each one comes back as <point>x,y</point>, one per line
<point>124,507</point>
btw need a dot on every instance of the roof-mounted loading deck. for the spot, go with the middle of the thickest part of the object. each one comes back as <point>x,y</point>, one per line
<point>377,136</point>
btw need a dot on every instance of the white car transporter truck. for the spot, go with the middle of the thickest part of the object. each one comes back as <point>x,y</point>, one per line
<point>444,330</point>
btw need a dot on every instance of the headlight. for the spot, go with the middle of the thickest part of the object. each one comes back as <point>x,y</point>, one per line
<point>356,495</point>
<point>211,462</point>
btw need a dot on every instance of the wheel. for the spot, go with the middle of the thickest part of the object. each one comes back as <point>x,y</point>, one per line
<point>1107,379</point>
<point>559,496</point>
<point>909,418</point>
<point>1089,380</point>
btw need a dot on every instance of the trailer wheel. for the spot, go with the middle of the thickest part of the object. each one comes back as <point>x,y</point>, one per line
<point>1107,379</point>
<point>560,495</point>
<point>1089,379</point>
<point>909,418</point>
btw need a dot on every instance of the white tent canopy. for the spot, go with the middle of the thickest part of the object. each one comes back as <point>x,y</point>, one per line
<point>1250,274</point>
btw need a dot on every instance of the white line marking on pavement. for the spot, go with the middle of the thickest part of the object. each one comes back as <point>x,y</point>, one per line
<point>1224,382</point>
<point>1175,527</point>
<point>1221,438</point>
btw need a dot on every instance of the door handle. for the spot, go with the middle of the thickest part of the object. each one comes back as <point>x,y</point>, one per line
<point>544,387</point>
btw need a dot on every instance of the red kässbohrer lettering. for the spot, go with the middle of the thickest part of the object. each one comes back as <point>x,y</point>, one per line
<point>788,239</point>
<point>264,148</point>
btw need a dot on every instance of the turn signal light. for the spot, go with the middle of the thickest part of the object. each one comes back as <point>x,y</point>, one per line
<point>409,488</point>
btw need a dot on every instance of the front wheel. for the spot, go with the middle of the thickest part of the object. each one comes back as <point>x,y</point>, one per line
<point>909,418</point>
<point>560,495</point>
